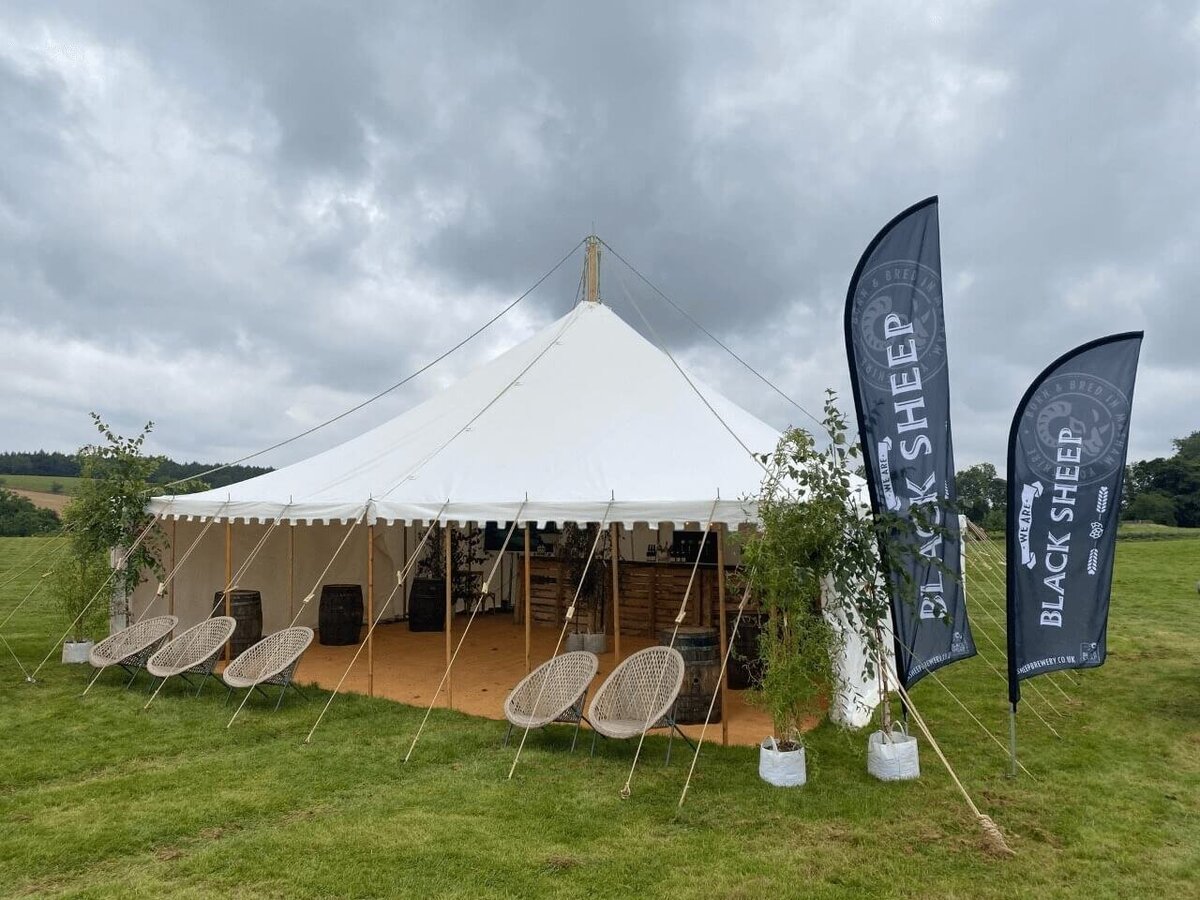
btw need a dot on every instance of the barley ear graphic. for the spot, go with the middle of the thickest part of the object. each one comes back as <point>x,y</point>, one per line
<point>1093,562</point>
<point>1101,500</point>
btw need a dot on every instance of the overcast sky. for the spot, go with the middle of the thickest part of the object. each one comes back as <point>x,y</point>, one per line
<point>240,219</point>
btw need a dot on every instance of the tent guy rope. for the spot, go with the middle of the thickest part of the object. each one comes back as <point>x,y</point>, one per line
<point>399,384</point>
<point>478,603</point>
<point>308,598</point>
<point>163,586</point>
<point>120,565</point>
<point>570,614</point>
<point>627,789</point>
<point>401,579</point>
<point>245,566</point>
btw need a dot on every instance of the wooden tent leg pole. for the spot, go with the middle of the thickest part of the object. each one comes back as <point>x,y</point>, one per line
<point>370,610</point>
<point>723,631</point>
<point>171,588</point>
<point>292,572</point>
<point>449,612</point>
<point>616,591</point>
<point>228,578</point>
<point>528,601</point>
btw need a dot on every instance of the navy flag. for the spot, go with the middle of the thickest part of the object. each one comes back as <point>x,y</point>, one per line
<point>896,344</point>
<point>1066,468</point>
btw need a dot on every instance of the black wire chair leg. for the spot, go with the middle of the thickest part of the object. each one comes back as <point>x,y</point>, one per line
<point>507,734</point>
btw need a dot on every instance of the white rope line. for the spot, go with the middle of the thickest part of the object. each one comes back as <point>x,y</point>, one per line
<point>933,674</point>
<point>570,321</point>
<point>985,822</point>
<point>309,596</point>
<point>162,587</point>
<point>228,587</point>
<point>990,577</point>
<point>385,391</point>
<point>600,528</point>
<point>37,558</point>
<point>713,701</point>
<point>757,374</point>
<point>120,565</point>
<point>36,585</point>
<point>312,593</point>
<point>478,603</point>
<point>627,790</point>
<point>401,579</point>
<point>663,349</point>
<point>995,740</point>
<point>997,560</point>
<point>987,613</point>
<point>16,659</point>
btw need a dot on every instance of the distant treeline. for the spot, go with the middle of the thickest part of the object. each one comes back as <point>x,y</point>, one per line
<point>42,462</point>
<point>20,518</point>
<point>1165,491</point>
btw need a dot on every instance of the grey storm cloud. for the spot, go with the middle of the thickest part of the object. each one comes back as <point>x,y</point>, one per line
<point>240,220</point>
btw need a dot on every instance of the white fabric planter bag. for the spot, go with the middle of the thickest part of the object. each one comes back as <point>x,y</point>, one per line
<point>893,757</point>
<point>596,642</point>
<point>77,653</point>
<point>782,768</point>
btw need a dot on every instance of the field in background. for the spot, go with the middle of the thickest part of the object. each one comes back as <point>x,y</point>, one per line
<point>99,798</point>
<point>40,483</point>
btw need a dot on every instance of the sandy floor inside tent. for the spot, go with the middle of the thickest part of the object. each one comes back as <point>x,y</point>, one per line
<point>408,667</point>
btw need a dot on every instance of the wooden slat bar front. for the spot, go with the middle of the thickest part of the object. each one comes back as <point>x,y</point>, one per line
<point>650,595</point>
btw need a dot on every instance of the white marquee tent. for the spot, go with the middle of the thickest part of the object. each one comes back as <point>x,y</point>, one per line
<point>583,413</point>
<point>584,422</point>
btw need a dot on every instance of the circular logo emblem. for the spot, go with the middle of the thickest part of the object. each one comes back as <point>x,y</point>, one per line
<point>1083,407</point>
<point>896,315</point>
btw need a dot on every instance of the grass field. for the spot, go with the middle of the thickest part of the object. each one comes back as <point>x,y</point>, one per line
<point>40,483</point>
<point>99,798</point>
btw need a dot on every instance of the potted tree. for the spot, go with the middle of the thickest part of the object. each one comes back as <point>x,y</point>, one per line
<point>74,585</point>
<point>573,549</point>
<point>807,564</point>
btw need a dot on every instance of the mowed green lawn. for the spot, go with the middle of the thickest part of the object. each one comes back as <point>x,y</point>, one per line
<point>99,798</point>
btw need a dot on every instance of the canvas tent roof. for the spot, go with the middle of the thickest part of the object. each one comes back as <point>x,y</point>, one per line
<point>584,413</point>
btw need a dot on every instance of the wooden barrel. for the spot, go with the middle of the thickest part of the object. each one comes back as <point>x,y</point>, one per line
<point>427,605</point>
<point>745,663</point>
<point>701,651</point>
<point>246,609</point>
<point>341,615</point>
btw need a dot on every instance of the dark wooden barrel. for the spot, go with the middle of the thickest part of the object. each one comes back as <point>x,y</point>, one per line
<point>246,609</point>
<point>745,663</point>
<point>341,615</point>
<point>701,651</point>
<point>427,605</point>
